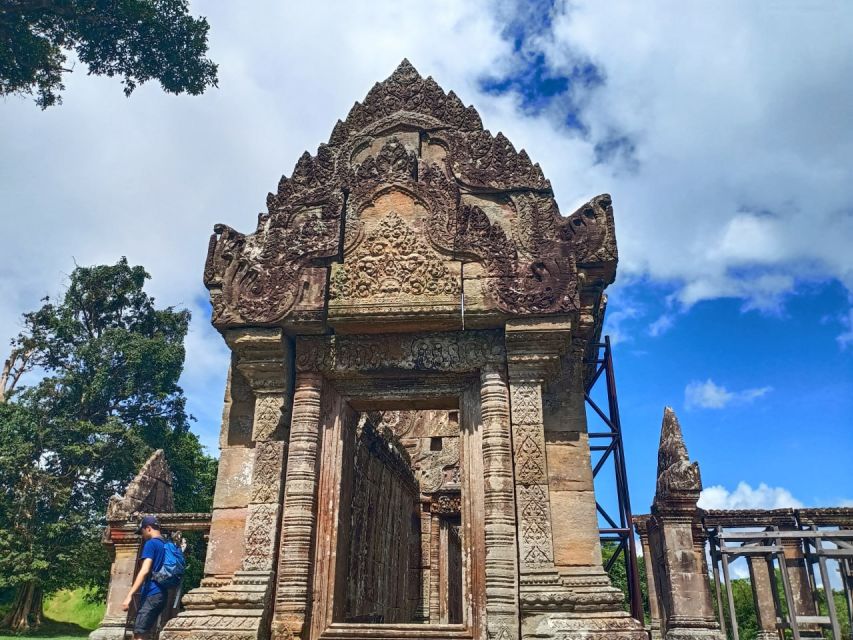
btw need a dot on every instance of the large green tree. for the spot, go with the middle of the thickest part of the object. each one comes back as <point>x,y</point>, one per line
<point>104,363</point>
<point>138,40</point>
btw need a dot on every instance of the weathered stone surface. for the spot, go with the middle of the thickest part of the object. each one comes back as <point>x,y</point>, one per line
<point>568,461</point>
<point>226,545</point>
<point>573,515</point>
<point>677,476</point>
<point>427,189</point>
<point>234,478</point>
<point>149,492</point>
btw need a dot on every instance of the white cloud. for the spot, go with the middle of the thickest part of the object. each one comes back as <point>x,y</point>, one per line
<point>742,184</point>
<point>663,324</point>
<point>845,338</point>
<point>709,395</point>
<point>747,497</point>
<point>738,183</point>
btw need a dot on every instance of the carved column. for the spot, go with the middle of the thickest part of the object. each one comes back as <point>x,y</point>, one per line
<point>762,593</point>
<point>676,555</point>
<point>499,518</point>
<point>262,354</point>
<point>641,525</point>
<point>293,597</point>
<point>798,576</point>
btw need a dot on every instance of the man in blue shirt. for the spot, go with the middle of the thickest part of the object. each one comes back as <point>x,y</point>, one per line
<point>152,597</point>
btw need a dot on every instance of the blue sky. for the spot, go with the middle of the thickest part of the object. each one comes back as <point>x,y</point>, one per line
<point>723,133</point>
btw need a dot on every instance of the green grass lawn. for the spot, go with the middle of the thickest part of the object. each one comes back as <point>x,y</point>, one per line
<point>67,615</point>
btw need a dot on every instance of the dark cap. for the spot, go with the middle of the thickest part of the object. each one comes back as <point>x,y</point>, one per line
<point>148,521</point>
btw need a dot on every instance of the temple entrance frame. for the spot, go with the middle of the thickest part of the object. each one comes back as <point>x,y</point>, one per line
<point>463,371</point>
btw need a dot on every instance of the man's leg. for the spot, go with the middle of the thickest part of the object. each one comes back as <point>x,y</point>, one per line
<point>147,616</point>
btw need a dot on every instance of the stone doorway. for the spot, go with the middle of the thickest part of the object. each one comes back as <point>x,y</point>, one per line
<point>401,541</point>
<point>400,525</point>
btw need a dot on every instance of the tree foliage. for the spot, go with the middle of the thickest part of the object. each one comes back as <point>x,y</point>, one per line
<point>138,40</point>
<point>107,395</point>
<point>619,575</point>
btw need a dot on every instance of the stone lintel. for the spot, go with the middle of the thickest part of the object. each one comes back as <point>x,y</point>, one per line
<point>748,517</point>
<point>261,356</point>
<point>534,346</point>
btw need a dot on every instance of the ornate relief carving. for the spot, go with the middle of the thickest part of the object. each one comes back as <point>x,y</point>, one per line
<point>406,91</point>
<point>399,422</point>
<point>257,279</point>
<point>501,633</point>
<point>479,159</point>
<point>392,264</point>
<point>432,466</point>
<point>446,504</point>
<point>450,351</point>
<point>260,537</point>
<point>531,482</point>
<point>545,282</point>
<point>268,415</point>
<point>230,623</point>
<point>536,544</point>
<point>526,404</point>
<point>529,445</point>
<point>260,278</point>
<point>267,473</point>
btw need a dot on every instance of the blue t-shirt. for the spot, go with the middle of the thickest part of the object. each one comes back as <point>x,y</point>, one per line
<point>155,549</point>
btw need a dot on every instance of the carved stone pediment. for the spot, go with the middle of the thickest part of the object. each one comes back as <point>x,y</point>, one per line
<point>411,170</point>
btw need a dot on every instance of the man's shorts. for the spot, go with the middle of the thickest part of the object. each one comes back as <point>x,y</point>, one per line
<point>149,611</point>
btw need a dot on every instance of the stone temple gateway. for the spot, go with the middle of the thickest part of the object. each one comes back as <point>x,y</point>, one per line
<point>404,447</point>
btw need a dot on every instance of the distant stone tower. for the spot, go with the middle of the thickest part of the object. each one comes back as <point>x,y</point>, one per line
<point>415,264</point>
<point>677,542</point>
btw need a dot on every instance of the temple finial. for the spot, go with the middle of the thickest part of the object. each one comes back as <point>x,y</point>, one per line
<point>405,72</point>
<point>675,471</point>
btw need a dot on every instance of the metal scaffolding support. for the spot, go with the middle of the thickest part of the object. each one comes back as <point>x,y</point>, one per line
<point>818,547</point>
<point>620,529</point>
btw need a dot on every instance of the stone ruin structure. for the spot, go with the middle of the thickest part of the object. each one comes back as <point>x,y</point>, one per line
<point>150,492</point>
<point>786,550</point>
<point>403,449</point>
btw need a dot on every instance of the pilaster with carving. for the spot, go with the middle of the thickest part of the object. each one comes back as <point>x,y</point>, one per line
<point>293,597</point>
<point>533,354</point>
<point>499,519</point>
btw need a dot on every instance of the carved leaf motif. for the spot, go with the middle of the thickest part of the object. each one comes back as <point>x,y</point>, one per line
<point>392,262</point>
<point>260,536</point>
<point>267,472</point>
<point>535,525</point>
<point>529,454</point>
<point>267,416</point>
<point>432,464</point>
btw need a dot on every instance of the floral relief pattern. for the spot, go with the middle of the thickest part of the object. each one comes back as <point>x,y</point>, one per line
<point>392,262</point>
